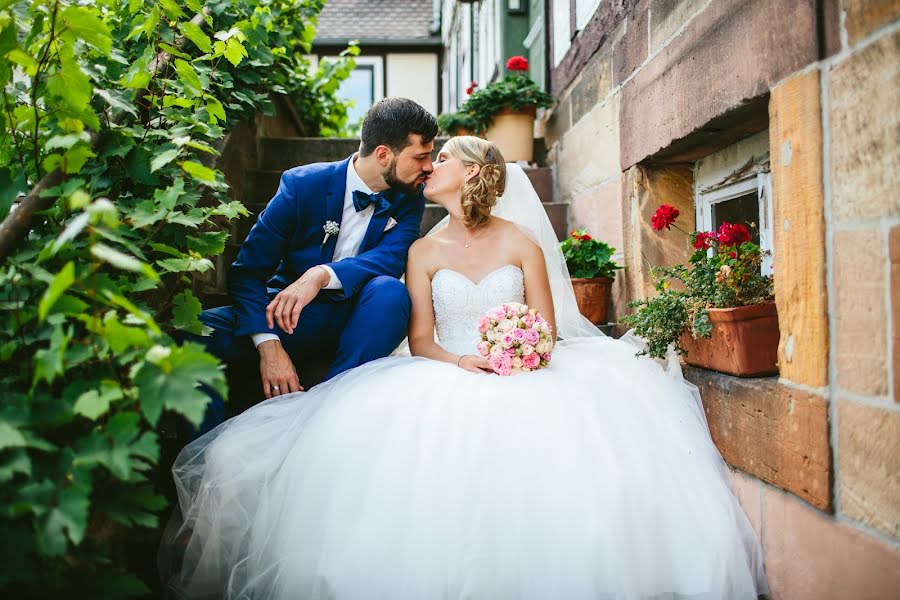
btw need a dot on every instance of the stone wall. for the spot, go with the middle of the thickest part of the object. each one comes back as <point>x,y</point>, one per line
<point>651,87</point>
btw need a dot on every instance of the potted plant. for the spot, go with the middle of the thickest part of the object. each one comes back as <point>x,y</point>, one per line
<point>457,123</point>
<point>720,314</point>
<point>506,109</point>
<point>592,271</point>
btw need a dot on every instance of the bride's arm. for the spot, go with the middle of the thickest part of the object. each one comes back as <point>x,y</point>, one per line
<point>537,284</point>
<point>421,324</point>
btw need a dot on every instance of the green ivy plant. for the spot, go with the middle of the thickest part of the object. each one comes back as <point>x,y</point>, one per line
<point>113,113</point>
<point>588,258</point>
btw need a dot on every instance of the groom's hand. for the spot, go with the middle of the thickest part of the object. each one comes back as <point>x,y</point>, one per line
<point>285,308</point>
<point>277,370</point>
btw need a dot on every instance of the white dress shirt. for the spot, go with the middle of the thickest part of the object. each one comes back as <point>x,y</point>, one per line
<point>350,236</point>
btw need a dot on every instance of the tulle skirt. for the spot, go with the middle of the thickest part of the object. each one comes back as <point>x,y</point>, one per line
<point>413,479</point>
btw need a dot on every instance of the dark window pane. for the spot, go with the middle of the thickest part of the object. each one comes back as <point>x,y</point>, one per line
<point>359,87</point>
<point>743,209</point>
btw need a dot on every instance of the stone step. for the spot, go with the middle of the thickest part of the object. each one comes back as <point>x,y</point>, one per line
<point>260,186</point>
<point>557,211</point>
<point>284,153</point>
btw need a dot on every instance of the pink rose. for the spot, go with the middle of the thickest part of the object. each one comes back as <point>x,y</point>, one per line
<point>532,336</point>
<point>528,319</point>
<point>518,334</point>
<point>484,348</point>
<point>484,324</point>
<point>500,364</point>
<point>532,361</point>
<point>545,357</point>
<point>507,340</point>
<point>510,352</point>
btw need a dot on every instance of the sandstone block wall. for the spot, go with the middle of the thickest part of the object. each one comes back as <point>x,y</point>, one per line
<point>651,87</point>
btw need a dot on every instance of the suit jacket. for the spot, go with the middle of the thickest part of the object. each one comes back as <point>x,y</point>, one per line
<point>287,239</point>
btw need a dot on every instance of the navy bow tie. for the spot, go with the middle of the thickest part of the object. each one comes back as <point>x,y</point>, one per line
<point>362,200</point>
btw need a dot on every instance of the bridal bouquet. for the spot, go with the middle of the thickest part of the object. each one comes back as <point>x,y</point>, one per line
<point>515,339</point>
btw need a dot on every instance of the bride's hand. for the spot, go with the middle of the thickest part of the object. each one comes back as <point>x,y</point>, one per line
<point>475,364</point>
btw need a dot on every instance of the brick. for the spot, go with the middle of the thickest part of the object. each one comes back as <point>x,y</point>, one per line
<point>719,63</point>
<point>777,433</point>
<point>869,460</point>
<point>588,153</point>
<point>810,556</point>
<point>866,16</point>
<point>595,83</point>
<point>667,16</point>
<point>795,136</point>
<point>631,50</point>
<point>894,249</point>
<point>860,312</point>
<point>865,126</point>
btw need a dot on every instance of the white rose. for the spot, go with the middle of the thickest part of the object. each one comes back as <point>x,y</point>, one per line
<point>526,349</point>
<point>496,349</point>
<point>506,325</point>
<point>489,334</point>
<point>517,362</point>
<point>542,347</point>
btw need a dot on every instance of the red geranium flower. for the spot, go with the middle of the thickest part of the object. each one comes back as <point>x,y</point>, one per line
<point>703,240</point>
<point>732,254</point>
<point>517,63</point>
<point>664,217</point>
<point>730,234</point>
<point>586,238</point>
<point>471,87</point>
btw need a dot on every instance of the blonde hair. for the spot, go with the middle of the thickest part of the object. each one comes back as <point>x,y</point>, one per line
<point>480,193</point>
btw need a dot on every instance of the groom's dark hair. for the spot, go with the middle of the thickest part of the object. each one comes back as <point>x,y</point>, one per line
<point>390,122</point>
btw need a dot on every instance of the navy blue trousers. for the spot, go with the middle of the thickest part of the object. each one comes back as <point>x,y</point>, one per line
<point>346,333</point>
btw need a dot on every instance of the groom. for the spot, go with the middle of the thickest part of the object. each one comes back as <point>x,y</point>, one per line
<point>317,276</point>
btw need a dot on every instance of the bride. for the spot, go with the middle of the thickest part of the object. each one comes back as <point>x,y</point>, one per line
<point>425,477</point>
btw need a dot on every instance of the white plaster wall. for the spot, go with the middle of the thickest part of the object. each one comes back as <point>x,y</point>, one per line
<point>414,76</point>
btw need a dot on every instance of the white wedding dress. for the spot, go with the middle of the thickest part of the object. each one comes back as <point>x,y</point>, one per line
<point>407,478</point>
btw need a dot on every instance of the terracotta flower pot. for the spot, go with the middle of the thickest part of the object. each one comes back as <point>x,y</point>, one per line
<point>593,297</point>
<point>513,133</point>
<point>744,341</point>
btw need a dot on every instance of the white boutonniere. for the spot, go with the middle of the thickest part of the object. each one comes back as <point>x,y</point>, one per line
<point>331,228</point>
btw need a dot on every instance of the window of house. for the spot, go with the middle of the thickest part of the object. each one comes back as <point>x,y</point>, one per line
<point>735,185</point>
<point>364,86</point>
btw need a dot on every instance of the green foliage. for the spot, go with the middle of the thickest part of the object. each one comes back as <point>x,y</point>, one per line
<point>452,123</point>
<point>587,257</point>
<point>515,91</point>
<point>323,113</point>
<point>719,277</point>
<point>130,101</point>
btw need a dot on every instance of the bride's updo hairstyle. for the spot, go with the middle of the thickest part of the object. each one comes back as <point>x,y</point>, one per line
<point>480,193</point>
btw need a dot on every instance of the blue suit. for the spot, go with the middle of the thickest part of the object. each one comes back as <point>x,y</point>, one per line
<point>364,321</point>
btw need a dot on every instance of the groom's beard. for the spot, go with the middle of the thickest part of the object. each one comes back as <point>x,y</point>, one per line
<point>407,187</point>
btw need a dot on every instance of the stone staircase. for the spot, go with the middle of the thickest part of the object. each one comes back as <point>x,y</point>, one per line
<point>279,154</point>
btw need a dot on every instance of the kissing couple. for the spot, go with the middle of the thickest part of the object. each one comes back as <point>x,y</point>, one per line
<point>429,476</point>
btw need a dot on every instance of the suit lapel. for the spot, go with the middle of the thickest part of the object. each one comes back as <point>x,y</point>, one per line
<point>377,224</point>
<point>334,206</point>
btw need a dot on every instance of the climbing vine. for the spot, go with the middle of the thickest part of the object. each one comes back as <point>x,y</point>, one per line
<point>113,113</point>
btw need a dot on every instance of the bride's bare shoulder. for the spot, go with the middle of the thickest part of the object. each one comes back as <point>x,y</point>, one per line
<point>425,249</point>
<point>512,235</point>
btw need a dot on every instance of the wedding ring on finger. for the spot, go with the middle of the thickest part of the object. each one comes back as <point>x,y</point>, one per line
<point>276,388</point>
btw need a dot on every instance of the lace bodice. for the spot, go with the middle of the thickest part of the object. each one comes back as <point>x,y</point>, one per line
<point>459,303</point>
